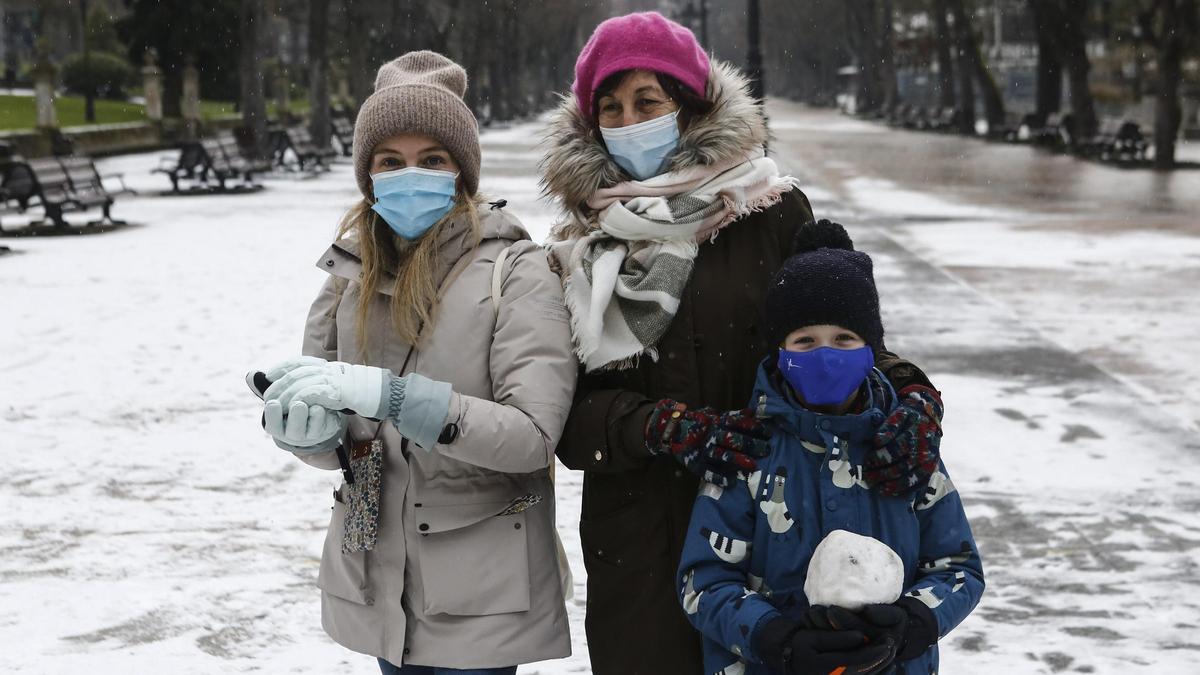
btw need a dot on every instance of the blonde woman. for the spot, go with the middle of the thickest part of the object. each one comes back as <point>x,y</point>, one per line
<point>438,374</point>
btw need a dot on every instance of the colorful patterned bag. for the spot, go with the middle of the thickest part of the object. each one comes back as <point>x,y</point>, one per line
<point>362,496</point>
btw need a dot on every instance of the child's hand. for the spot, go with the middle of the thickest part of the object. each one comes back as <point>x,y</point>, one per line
<point>884,625</point>
<point>907,444</point>
<point>711,444</point>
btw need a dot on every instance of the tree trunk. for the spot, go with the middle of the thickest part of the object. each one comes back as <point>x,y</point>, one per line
<point>969,49</point>
<point>1049,65</point>
<point>864,43</point>
<point>966,81</point>
<point>942,45</point>
<point>887,56</point>
<point>318,70</point>
<point>253,102</point>
<point>361,75</point>
<point>1168,113</point>
<point>1072,45</point>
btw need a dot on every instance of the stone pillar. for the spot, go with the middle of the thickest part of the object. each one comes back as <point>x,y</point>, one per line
<point>45,75</point>
<point>190,106</point>
<point>152,86</point>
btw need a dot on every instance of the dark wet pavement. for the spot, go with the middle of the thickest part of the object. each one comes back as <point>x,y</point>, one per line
<point>1090,194</point>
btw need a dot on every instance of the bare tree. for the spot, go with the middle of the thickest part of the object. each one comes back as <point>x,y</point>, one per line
<point>318,70</point>
<point>863,32</point>
<point>971,59</point>
<point>942,40</point>
<point>1171,27</point>
<point>1049,64</point>
<point>253,102</point>
<point>1066,22</point>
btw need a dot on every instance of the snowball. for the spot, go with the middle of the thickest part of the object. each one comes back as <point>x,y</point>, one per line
<point>850,570</point>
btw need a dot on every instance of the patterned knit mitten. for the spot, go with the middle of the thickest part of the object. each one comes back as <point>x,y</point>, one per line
<point>907,444</point>
<point>710,444</point>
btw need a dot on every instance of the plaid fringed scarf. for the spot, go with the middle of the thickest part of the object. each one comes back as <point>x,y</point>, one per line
<point>624,278</point>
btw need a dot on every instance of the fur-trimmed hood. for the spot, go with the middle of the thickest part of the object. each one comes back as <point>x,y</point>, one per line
<point>576,163</point>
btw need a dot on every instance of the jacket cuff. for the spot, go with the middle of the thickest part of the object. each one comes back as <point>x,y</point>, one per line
<point>770,636</point>
<point>424,410</point>
<point>922,631</point>
<point>633,431</point>
<point>604,432</point>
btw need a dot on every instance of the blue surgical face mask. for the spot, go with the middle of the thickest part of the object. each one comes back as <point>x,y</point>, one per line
<point>826,376</point>
<point>411,200</point>
<point>642,149</point>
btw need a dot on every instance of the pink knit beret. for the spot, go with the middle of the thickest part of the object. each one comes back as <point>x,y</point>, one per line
<point>643,40</point>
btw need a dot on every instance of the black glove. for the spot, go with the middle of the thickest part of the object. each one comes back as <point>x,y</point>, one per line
<point>921,630</point>
<point>907,624</point>
<point>789,647</point>
<point>884,625</point>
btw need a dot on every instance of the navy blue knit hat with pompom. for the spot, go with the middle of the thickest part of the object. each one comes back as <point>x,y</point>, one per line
<point>825,282</point>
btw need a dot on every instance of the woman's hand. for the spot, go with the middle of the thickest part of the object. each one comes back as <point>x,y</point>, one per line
<point>305,429</point>
<point>333,385</point>
<point>711,444</point>
<point>907,444</point>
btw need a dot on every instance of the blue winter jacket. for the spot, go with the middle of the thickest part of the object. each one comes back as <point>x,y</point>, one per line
<point>748,546</point>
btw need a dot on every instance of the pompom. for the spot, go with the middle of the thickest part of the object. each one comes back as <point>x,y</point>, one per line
<point>821,234</point>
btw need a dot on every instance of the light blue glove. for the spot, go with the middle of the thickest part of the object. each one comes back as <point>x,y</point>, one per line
<point>334,385</point>
<point>418,406</point>
<point>306,429</point>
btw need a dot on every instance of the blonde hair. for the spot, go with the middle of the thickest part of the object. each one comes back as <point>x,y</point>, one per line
<point>414,292</point>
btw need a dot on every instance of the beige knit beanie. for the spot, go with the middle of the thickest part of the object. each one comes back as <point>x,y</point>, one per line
<point>420,92</point>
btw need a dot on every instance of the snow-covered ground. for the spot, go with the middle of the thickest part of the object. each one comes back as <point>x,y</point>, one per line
<point>149,525</point>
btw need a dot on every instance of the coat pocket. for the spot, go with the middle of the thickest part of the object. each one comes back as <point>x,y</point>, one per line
<point>343,575</point>
<point>473,561</point>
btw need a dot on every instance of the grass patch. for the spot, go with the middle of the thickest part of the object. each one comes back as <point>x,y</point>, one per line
<point>20,112</point>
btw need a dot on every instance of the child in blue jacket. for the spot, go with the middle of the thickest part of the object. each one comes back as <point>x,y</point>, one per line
<point>744,564</point>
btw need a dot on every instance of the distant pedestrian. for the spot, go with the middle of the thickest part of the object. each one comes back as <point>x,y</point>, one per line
<point>437,376</point>
<point>675,222</point>
<point>745,579</point>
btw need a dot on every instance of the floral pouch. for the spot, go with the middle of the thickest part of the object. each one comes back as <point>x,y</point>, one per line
<point>364,484</point>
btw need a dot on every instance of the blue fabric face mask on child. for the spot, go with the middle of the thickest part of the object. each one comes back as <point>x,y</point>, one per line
<point>411,200</point>
<point>826,376</point>
<point>642,149</point>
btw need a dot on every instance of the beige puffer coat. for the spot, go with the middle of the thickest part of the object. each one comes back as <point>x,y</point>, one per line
<point>451,583</point>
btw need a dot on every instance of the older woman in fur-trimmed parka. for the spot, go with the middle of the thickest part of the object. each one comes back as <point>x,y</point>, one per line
<point>675,221</point>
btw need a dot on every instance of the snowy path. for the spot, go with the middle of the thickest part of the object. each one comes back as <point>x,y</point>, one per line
<point>150,526</point>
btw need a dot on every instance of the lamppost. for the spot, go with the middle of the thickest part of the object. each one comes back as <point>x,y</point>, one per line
<point>754,59</point>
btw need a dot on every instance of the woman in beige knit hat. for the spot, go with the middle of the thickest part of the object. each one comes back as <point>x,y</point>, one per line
<point>437,375</point>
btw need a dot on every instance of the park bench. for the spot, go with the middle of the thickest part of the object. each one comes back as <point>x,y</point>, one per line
<point>1057,133</point>
<point>944,119</point>
<point>190,165</point>
<point>343,133</point>
<point>222,166</point>
<point>63,184</point>
<point>309,155</point>
<point>1116,140</point>
<point>1129,144</point>
<point>1006,130</point>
